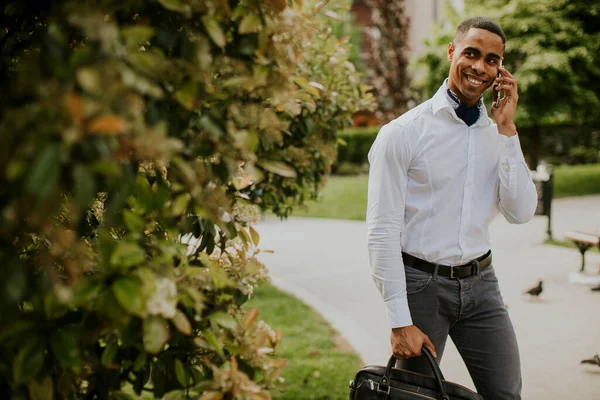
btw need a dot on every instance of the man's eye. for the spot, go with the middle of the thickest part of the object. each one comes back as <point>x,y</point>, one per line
<point>470,54</point>
<point>493,61</point>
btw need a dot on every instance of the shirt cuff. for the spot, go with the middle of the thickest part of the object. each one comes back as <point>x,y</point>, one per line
<point>512,146</point>
<point>398,313</point>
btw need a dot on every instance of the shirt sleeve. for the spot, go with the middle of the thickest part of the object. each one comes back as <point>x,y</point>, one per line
<point>517,193</point>
<point>389,159</point>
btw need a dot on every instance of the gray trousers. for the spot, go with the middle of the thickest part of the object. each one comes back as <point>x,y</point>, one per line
<point>472,312</point>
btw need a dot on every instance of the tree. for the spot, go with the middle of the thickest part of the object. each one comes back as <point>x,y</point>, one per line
<point>140,140</point>
<point>386,57</point>
<point>551,50</point>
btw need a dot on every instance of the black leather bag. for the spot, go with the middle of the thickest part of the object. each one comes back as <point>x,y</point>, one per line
<point>375,382</point>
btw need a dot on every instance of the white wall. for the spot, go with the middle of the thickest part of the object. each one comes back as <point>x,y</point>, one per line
<point>423,15</point>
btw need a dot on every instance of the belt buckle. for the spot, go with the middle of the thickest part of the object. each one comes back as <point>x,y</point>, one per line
<point>476,264</point>
<point>451,272</point>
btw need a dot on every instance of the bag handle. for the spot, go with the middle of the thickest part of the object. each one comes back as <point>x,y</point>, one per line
<point>384,384</point>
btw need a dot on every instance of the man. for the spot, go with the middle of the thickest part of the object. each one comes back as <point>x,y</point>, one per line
<point>438,176</point>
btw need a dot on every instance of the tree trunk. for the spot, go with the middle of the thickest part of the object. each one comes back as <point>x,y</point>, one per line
<point>534,146</point>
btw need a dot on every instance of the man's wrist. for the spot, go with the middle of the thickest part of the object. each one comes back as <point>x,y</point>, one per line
<point>508,130</point>
<point>399,328</point>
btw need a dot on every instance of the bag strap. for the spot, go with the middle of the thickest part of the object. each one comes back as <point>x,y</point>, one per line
<point>384,383</point>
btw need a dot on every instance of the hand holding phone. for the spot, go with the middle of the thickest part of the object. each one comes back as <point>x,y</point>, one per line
<point>505,90</point>
<point>496,91</point>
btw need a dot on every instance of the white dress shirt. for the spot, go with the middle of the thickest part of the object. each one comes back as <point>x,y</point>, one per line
<point>435,185</point>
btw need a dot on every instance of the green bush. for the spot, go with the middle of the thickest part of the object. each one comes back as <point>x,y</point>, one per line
<point>583,155</point>
<point>355,146</point>
<point>561,144</point>
<point>139,139</point>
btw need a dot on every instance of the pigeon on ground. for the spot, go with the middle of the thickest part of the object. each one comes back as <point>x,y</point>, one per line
<point>594,360</point>
<point>536,290</point>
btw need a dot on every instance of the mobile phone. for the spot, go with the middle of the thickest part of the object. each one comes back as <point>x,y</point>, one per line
<point>497,91</point>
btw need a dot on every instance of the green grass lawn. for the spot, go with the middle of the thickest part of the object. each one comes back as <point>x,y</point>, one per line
<point>576,180</point>
<point>345,197</point>
<point>319,364</point>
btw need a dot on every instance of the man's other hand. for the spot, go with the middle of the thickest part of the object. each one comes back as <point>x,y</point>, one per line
<point>408,341</point>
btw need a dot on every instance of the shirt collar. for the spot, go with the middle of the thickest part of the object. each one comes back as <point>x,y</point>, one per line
<point>441,100</point>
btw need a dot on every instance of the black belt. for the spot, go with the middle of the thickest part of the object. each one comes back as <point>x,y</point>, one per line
<point>456,271</point>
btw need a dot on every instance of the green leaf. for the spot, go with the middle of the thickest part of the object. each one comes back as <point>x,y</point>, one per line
<point>235,349</point>
<point>156,334</point>
<point>176,5</point>
<point>261,74</point>
<point>180,204</point>
<point>250,23</point>
<point>147,278</point>
<point>109,353</point>
<point>182,323</point>
<point>29,360</point>
<point>203,53</point>
<point>151,64</point>
<point>180,372</point>
<point>133,222</point>
<point>41,390</point>
<point>89,80</point>
<point>107,169</point>
<point>86,292</point>
<point>306,85</point>
<point>128,292</point>
<point>244,237</point>
<point>214,30</point>
<point>63,342</point>
<point>136,34</point>
<point>255,236</point>
<point>119,395</point>
<point>108,306</point>
<point>211,126</point>
<point>217,274</point>
<point>45,171</point>
<point>52,306</point>
<point>223,319</point>
<point>127,254</point>
<point>213,342</point>
<point>16,328</point>
<point>85,186</point>
<point>239,82</point>
<point>186,95</point>
<point>279,168</point>
<point>140,361</point>
<point>13,283</point>
<point>138,82</point>
<point>177,395</point>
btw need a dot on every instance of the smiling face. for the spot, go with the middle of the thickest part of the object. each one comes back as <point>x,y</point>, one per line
<point>474,63</point>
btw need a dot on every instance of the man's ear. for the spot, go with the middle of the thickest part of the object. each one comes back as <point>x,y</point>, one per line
<point>450,51</point>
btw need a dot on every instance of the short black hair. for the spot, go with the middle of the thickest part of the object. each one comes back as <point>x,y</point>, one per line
<point>480,23</point>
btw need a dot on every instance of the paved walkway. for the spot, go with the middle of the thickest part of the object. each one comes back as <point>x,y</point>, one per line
<point>325,263</point>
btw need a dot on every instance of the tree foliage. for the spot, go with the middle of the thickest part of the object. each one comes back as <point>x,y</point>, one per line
<point>553,49</point>
<point>386,57</point>
<point>140,139</point>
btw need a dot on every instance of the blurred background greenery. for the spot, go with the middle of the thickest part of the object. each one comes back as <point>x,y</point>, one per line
<point>553,49</point>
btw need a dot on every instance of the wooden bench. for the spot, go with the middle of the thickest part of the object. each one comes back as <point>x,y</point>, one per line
<point>583,241</point>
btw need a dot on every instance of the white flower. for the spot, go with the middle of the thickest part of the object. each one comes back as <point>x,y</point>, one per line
<point>164,300</point>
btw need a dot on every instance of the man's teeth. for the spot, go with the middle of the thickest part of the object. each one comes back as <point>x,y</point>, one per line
<point>474,81</point>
